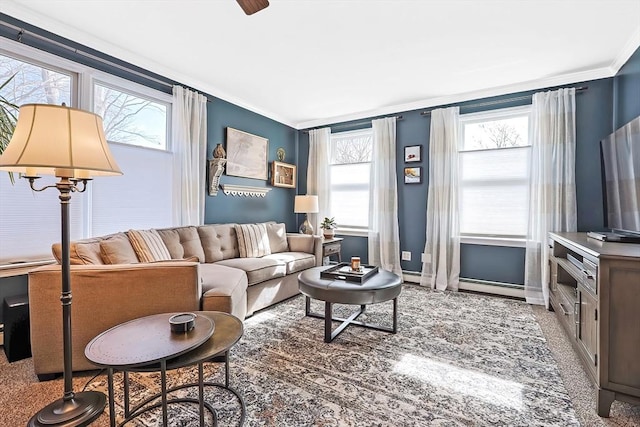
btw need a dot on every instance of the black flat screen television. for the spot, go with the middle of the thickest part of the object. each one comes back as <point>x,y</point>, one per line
<point>620,156</point>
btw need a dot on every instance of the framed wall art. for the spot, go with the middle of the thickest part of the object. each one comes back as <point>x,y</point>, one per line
<point>247,155</point>
<point>412,175</point>
<point>283,175</point>
<point>413,153</point>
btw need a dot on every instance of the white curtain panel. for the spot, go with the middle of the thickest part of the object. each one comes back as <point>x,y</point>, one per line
<point>384,237</point>
<point>189,145</point>
<point>442,248</point>
<point>552,189</point>
<point>318,176</point>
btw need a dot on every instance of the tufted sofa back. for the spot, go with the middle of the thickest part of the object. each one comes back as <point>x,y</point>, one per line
<point>219,241</point>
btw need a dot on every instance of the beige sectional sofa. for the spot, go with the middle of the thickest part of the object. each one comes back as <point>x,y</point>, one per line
<point>210,268</point>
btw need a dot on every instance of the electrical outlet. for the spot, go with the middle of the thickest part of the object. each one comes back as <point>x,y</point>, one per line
<point>406,256</point>
<point>425,257</point>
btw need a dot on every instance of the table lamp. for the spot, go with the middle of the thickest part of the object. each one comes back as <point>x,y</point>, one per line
<point>70,144</point>
<point>306,204</point>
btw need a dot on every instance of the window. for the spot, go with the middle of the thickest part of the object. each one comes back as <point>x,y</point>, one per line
<point>136,119</point>
<point>129,118</point>
<point>34,214</point>
<point>350,163</point>
<point>494,173</point>
<point>134,122</point>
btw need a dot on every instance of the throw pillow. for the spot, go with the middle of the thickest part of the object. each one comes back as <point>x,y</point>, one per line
<point>148,245</point>
<point>253,240</point>
<point>277,238</point>
<point>117,250</point>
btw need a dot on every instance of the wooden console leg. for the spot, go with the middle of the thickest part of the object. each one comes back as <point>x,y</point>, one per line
<point>605,399</point>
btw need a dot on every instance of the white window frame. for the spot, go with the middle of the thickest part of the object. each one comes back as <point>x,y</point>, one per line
<point>136,89</point>
<point>82,86</point>
<point>484,116</point>
<point>351,230</point>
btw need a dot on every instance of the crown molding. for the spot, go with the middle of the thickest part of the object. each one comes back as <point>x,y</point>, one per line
<point>629,48</point>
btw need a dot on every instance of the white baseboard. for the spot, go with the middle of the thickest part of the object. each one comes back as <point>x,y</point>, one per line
<point>486,287</point>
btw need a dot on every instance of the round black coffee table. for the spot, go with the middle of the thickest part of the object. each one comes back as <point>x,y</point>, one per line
<point>148,345</point>
<point>382,286</point>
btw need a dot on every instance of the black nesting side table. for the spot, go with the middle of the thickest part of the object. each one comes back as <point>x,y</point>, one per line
<point>148,345</point>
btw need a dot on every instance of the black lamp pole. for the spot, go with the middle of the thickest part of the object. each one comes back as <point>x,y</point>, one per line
<point>73,409</point>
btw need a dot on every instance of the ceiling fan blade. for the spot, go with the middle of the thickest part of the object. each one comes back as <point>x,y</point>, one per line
<point>252,6</point>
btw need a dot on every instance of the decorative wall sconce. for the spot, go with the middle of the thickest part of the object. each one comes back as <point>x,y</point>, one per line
<point>216,168</point>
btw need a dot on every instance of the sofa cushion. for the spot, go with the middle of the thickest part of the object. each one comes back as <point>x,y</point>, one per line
<point>223,288</point>
<point>117,250</point>
<point>182,242</point>
<point>85,251</point>
<point>301,243</point>
<point>257,269</point>
<point>277,237</point>
<point>218,241</point>
<point>253,240</point>
<point>148,245</point>
<point>294,261</point>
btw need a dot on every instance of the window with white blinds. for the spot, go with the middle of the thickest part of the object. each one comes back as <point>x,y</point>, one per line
<point>350,166</point>
<point>30,221</point>
<point>494,173</point>
<point>135,116</point>
<point>141,198</point>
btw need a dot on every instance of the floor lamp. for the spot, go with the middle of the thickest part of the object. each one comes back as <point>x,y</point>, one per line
<point>70,144</point>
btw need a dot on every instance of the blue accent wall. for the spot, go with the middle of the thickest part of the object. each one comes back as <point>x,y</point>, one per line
<point>627,92</point>
<point>277,205</point>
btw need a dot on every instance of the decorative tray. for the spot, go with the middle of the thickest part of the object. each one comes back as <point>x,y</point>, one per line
<point>343,271</point>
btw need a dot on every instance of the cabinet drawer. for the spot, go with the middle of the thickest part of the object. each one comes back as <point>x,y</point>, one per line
<point>331,249</point>
<point>566,298</point>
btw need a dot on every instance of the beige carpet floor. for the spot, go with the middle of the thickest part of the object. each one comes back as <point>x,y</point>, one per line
<point>21,395</point>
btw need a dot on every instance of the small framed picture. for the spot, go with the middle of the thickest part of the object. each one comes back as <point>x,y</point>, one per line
<point>412,153</point>
<point>283,175</point>
<point>412,175</point>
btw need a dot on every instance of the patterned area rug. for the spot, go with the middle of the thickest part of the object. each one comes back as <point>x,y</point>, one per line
<point>457,360</point>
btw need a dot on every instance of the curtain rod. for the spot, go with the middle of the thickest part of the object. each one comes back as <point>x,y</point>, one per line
<point>22,31</point>
<point>361,122</point>
<point>499,101</point>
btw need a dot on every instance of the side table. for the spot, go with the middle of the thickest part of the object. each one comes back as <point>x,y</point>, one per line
<point>148,345</point>
<point>332,247</point>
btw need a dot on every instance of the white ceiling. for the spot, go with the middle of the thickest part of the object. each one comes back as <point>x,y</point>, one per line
<point>311,62</point>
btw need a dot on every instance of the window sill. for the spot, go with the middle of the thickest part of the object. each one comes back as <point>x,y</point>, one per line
<point>494,241</point>
<point>22,268</point>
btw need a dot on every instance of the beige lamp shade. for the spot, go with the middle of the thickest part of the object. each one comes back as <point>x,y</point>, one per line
<point>306,204</point>
<point>58,140</point>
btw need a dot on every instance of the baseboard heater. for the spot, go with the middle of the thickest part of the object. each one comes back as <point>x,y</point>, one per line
<point>475,285</point>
